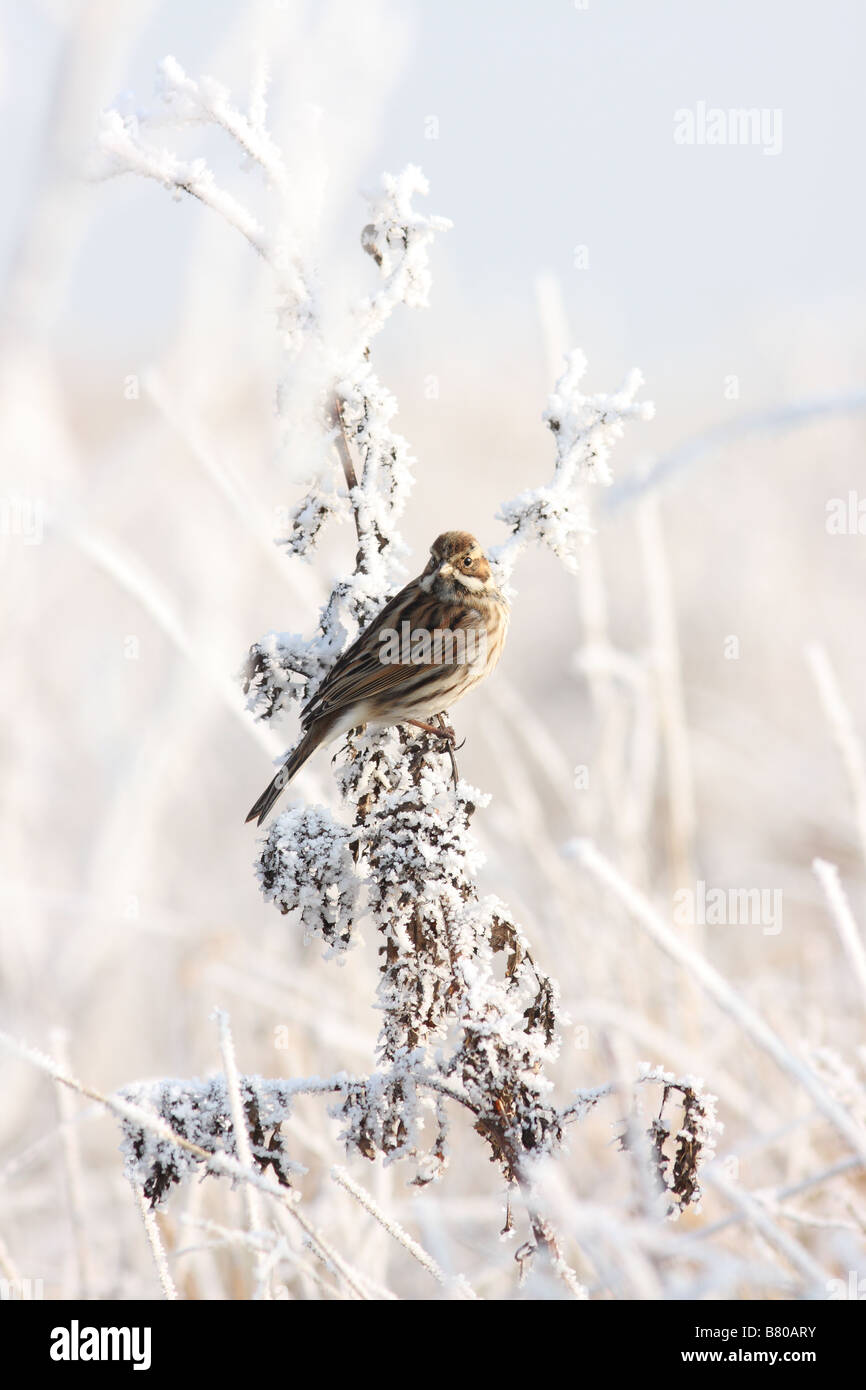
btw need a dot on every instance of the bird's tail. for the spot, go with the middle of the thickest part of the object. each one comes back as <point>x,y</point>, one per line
<point>296,759</point>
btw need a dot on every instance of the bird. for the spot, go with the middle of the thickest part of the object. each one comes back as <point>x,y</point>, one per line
<point>429,645</point>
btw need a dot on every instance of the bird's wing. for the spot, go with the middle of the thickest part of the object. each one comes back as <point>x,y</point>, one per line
<point>360,674</point>
<point>357,656</point>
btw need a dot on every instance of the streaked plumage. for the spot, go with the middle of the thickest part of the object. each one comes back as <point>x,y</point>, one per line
<point>455,594</point>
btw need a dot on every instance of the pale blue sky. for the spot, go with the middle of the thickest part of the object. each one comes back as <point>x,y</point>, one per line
<point>555,129</point>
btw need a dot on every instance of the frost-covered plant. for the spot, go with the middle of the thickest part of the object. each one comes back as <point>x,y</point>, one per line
<point>201,1113</point>
<point>680,1153</point>
<point>307,867</point>
<point>585,429</point>
<point>468,1017</point>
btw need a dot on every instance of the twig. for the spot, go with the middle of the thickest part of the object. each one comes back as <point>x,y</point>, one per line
<point>836,1170</point>
<point>255,1219</point>
<point>154,1240</point>
<point>705,446</point>
<point>218,1161</point>
<point>459,1285</point>
<point>758,1216</point>
<point>344,451</point>
<point>8,1267</point>
<point>547,1238</point>
<point>844,733</point>
<point>134,156</point>
<point>351,1277</point>
<point>348,466</point>
<point>717,988</point>
<point>69,1137</point>
<point>815,1223</point>
<point>131,576</point>
<point>227,481</point>
<point>668,674</point>
<point>843,919</point>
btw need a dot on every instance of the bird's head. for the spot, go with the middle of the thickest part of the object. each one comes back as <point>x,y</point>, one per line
<point>457,559</point>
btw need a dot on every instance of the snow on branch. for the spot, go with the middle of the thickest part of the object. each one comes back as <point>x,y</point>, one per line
<point>122,140</point>
<point>308,868</point>
<point>207,101</point>
<point>126,145</point>
<point>358,423</point>
<point>585,429</point>
<point>681,1152</point>
<point>398,238</point>
<point>200,1112</point>
<point>468,1016</point>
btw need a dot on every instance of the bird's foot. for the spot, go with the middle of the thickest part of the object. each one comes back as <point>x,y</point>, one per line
<point>446,734</point>
<point>440,730</point>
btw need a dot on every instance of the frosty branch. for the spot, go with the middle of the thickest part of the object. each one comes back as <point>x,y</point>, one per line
<point>468,1016</point>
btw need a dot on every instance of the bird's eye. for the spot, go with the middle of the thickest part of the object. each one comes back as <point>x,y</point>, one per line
<point>467,562</point>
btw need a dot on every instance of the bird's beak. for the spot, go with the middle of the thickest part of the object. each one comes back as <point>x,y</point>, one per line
<point>446,569</point>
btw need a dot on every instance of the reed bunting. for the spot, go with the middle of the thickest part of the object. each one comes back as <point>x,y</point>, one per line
<point>436,639</point>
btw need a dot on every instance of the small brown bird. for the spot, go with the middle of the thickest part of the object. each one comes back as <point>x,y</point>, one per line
<point>436,639</point>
